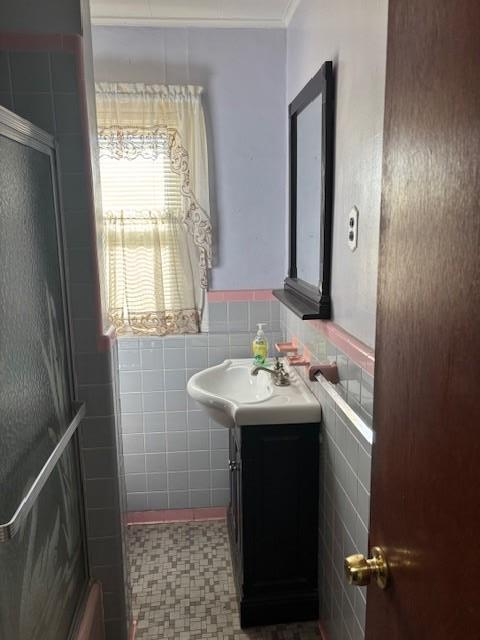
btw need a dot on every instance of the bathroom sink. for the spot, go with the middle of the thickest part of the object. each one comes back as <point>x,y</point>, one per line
<point>232,396</point>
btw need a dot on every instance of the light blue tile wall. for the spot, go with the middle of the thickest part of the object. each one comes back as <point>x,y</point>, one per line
<point>344,480</point>
<point>175,455</point>
<point>42,87</point>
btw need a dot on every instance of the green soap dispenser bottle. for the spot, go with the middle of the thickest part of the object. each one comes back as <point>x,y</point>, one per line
<point>260,345</point>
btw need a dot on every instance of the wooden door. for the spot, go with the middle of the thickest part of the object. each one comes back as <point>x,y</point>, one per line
<point>426,460</point>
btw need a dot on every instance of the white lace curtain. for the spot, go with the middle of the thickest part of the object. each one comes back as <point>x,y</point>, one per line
<point>154,171</point>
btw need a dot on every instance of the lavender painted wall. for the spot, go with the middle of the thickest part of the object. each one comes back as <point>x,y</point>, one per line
<point>243,72</point>
<point>353,34</point>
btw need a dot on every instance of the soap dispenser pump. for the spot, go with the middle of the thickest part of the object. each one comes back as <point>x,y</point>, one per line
<point>260,345</point>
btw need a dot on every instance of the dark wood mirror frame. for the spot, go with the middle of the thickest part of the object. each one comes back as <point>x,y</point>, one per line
<point>304,299</point>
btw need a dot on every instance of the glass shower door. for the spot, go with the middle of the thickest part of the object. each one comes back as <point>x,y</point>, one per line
<point>43,570</point>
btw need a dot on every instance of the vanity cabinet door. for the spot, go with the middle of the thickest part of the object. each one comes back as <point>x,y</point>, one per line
<point>280,522</point>
<point>273,522</point>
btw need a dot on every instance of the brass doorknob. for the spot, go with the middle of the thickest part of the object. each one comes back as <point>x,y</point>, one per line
<point>360,570</point>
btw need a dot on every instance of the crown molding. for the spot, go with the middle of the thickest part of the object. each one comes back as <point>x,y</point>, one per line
<point>289,11</point>
<point>140,14</point>
<point>223,23</point>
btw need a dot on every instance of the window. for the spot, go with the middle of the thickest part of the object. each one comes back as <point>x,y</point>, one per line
<point>157,235</point>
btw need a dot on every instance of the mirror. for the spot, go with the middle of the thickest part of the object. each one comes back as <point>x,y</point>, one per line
<point>307,288</point>
<point>309,170</point>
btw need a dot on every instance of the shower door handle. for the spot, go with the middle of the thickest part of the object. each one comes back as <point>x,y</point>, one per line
<point>9,529</point>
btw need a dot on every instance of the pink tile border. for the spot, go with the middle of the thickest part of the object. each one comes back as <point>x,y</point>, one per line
<point>263,294</point>
<point>39,41</point>
<point>176,515</point>
<point>240,295</point>
<point>215,296</point>
<point>357,351</point>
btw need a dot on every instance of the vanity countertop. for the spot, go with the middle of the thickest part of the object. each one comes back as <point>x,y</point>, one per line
<point>233,396</point>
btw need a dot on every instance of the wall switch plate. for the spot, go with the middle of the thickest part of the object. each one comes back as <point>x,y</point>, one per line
<point>353,229</point>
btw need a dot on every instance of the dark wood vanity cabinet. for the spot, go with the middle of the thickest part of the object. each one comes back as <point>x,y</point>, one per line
<point>273,522</point>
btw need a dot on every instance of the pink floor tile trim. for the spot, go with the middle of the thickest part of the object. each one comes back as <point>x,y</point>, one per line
<point>357,351</point>
<point>133,630</point>
<point>240,295</point>
<point>210,513</point>
<point>92,625</point>
<point>323,633</point>
<point>176,515</point>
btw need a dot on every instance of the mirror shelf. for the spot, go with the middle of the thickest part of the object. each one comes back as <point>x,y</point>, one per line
<point>302,307</point>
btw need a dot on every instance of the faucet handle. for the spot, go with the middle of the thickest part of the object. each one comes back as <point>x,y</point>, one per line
<point>282,377</point>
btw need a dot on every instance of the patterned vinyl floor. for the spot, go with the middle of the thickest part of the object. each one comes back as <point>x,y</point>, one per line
<point>183,586</point>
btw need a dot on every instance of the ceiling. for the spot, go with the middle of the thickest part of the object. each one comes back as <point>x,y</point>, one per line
<point>195,13</point>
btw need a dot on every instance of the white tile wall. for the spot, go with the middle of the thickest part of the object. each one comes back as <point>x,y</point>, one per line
<point>344,481</point>
<point>175,456</point>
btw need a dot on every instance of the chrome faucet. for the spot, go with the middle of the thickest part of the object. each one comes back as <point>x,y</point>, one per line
<point>280,377</point>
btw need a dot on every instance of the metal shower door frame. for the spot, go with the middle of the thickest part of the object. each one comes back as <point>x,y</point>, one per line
<point>24,132</point>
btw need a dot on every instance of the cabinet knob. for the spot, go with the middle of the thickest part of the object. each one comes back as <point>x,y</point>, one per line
<point>232,465</point>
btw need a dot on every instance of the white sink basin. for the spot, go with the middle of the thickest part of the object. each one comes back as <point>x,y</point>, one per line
<point>231,395</point>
